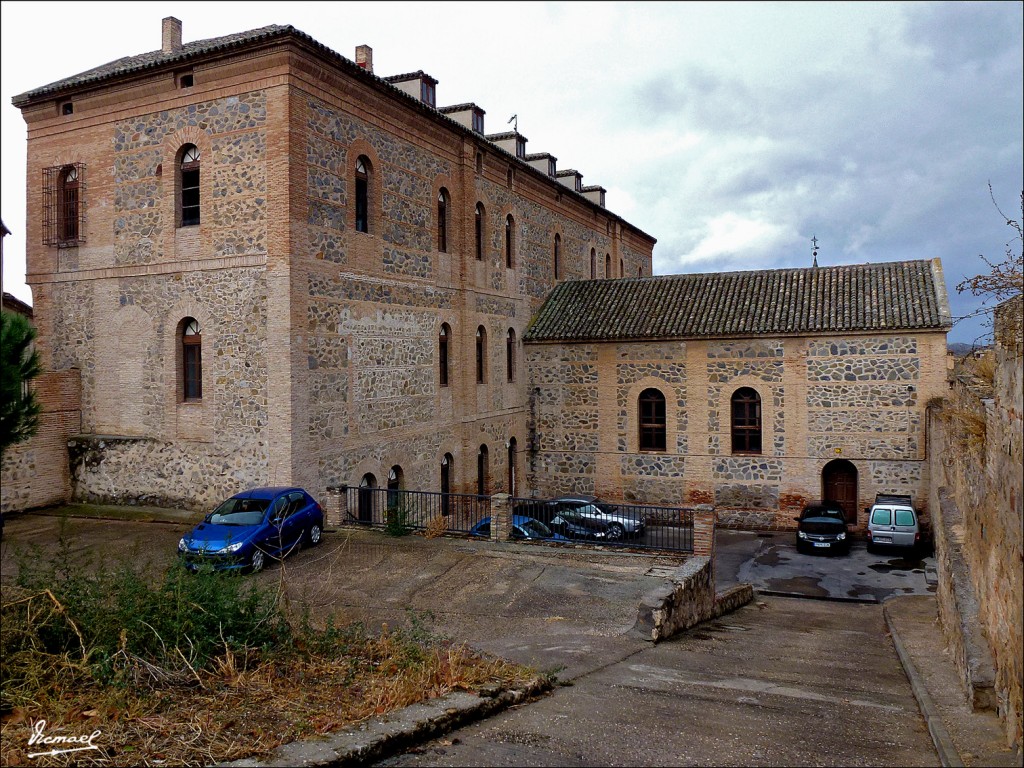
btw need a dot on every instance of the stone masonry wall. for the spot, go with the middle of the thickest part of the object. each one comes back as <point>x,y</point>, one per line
<point>35,473</point>
<point>978,463</point>
<point>855,398</point>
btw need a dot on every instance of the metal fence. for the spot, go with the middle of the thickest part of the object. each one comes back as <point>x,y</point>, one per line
<point>418,510</point>
<point>634,526</point>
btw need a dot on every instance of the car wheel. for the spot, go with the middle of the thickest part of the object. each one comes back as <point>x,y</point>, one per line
<point>313,534</point>
<point>615,532</point>
<point>257,561</point>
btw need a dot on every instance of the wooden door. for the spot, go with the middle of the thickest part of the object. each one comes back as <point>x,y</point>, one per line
<point>839,484</point>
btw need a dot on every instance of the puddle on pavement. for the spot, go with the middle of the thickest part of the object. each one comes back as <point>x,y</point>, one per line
<point>770,557</point>
<point>914,566</point>
<point>801,585</point>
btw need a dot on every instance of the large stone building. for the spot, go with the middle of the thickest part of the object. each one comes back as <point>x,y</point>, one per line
<point>272,265</point>
<point>269,265</point>
<point>753,391</point>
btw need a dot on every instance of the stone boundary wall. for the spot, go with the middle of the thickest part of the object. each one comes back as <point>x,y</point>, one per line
<point>977,487</point>
<point>35,473</point>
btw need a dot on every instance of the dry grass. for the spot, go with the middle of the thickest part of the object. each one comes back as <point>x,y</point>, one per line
<point>241,703</point>
<point>436,526</point>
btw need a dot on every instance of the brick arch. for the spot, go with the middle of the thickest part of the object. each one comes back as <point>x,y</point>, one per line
<point>376,199</point>
<point>766,391</point>
<point>169,190</point>
<point>672,414</point>
<point>446,182</point>
<point>504,212</point>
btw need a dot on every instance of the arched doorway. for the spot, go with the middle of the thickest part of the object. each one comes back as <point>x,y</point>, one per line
<point>366,488</point>
<point>446,483</point>
<point>839,483</point>
<point>513,449</point>
<point>396,484</point>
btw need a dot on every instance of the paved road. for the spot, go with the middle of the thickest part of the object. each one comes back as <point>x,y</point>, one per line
<point>779,682</point>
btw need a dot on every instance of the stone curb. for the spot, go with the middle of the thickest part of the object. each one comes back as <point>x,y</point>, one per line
<point>383,737</point>
<point>827,598</point>
<point>949,757</point>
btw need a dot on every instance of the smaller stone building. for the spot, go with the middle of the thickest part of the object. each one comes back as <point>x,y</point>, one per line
<point>754,391</point>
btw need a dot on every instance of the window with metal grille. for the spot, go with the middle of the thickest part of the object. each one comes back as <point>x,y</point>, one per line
<point>510,355</point>
<point>651,407</point>
<point>189,185</point>
<point>442,353</point>
<point>192,360</point>
<point>746,421</point>
<point>64,205</point>
<point>442,220</point>
<point>481,355</point>
<point>362,194</point>
<point>479,224</point>
<point>510,240</point>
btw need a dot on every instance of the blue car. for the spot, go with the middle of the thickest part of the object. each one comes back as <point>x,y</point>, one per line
<point>252,526</point>
<point>522,528</point>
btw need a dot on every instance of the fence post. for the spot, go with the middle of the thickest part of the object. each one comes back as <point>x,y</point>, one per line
<point>336,504</point>
<point>501,517</point>
<point>704,531</point>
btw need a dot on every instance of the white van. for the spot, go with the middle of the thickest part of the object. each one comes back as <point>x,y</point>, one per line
<point>893,522</point>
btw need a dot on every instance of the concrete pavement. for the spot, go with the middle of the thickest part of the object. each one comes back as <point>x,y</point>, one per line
<point>746,689</point>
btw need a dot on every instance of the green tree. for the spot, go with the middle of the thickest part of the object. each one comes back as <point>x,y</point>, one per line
<point>19,364</point>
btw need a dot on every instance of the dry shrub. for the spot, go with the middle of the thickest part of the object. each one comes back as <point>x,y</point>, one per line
<point>436,526</point>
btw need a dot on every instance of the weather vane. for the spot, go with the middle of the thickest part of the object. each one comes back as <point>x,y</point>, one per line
<point>515,117</point>
<point>814,253</point>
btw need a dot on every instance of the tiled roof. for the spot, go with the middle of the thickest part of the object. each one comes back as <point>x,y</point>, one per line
<point>198,48</point>
<point>129,64</point>
<point>459,108</point>
<point>903,295</point>
<point>419,74</point>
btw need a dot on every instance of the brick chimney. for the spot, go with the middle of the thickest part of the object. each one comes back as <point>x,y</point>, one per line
<point>364,57</point>
<point>171,35</point>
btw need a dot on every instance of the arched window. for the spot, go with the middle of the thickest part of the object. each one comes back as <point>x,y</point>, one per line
<point>192,360</point>
<point>593,263</point>
<point>639,271</point>
<point>396,483</point>
<point>188,183</point>
<point>366,493</point>
<point>510,355</point>
<point>482,472</point>
<point>442,220</point>
<point>479,236</point>
<point>69,204</point>
<point>510,240</point>
<point>622,269</point>
<point>443,338</point>
<point>652,420</point>
<point>557,254</point>
<point>363,170</point>
<point>513,448</point>
<point>746,421</point>
<point>446,483</point>
<point>607,265</point>
<point>481,355</point>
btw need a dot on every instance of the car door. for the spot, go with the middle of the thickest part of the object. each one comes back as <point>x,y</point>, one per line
<point>904,528</point>
<point>294,519</point>
<point>276,521</point>
<point>881,526</point>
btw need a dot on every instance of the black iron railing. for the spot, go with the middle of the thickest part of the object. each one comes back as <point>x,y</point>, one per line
<point>417,510</point>
<point>628,525</point>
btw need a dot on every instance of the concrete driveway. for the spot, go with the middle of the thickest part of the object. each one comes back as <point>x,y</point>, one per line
<point>772,564</point>
<point>778,682</point>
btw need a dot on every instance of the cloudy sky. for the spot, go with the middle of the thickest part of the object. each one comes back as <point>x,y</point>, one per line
<point>731,132</point>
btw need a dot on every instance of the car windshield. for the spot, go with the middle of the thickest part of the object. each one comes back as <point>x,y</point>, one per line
<point>536,529</point>
<point>823,512</point>
<point>904,516</point>
<point>239,512</point>
<point>608,509</point>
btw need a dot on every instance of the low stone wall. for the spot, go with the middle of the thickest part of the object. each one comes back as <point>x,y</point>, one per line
<point>35,473</point>
<point>687,599</point>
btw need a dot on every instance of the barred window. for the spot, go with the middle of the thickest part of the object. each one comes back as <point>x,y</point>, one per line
<point>64,205</point>
<point>192,360</point>
<point>746,421</point>
<point>652,420</point>
<point>189,185</point>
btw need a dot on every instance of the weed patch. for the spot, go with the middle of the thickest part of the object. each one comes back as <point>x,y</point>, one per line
<point>193,669</point>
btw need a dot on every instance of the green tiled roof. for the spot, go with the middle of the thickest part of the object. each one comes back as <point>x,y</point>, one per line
<point>902,295</point>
